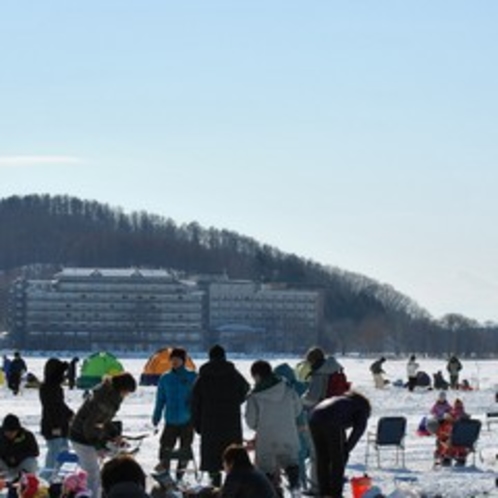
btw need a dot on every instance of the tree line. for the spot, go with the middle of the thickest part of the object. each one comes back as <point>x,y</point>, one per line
<point>41,233</point>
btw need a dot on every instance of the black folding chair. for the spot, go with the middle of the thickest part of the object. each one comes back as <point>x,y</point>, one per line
<point>465,433</point>
<point>390,433</point>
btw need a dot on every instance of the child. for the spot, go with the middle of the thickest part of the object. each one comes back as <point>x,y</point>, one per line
<point>441,407</point>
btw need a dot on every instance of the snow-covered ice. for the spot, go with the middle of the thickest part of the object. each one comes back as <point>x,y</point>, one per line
<point>419,472</point>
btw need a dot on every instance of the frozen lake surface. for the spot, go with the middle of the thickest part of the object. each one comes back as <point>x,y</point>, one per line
<point>469,481</point>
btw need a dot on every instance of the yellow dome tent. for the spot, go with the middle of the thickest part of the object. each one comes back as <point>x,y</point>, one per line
<point>159,363</point>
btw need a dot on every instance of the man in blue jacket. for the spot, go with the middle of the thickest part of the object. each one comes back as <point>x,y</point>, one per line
<point>173,398</point>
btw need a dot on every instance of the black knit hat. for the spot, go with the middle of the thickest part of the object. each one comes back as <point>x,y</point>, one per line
<point>11,423</point>
<point>217,352</point>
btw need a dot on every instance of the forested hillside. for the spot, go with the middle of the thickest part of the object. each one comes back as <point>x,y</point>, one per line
<point>41,233</point>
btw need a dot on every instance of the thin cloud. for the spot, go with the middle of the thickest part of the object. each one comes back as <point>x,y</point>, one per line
<point>36,160</point>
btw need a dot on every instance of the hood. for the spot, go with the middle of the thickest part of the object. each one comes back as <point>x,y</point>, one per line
<point>216,368</point>
<point>330,366</point>
<point>285,371</point>
<point>54,371</point>
<point>276,392</point>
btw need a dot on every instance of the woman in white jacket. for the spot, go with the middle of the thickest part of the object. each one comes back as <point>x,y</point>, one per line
<point>412,372</point>
<point>271,411</point>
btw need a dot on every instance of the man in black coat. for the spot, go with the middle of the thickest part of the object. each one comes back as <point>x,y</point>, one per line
<point>217,396</point>
<point>328,422</point>
<point>18,448</point>
<point>17,368</point>
<point>56,414</point>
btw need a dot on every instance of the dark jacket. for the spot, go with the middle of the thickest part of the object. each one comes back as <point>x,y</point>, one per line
<point>376,367</point>
<point>217,396</point>
<point>127,489</point>
<point>23,446</point>
<point>55,413</point>
<point>92,423</point>
<point>247,483</point>
<point>17,367</point>
<point>344,412</point>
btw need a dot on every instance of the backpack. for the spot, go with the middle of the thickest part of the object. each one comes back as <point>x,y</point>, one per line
<point>337,385</point>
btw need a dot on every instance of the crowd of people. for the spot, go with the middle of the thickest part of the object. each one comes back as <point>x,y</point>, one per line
<point>296,414</point>
<point>417,377</point>
<point>290,412</point>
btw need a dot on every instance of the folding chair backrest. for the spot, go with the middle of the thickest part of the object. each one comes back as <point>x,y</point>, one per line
<point>67,456</point>
<point>465,433</point>
<point>390,431</point>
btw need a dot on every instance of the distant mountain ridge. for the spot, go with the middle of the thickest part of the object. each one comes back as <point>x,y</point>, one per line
<point>40,233</point>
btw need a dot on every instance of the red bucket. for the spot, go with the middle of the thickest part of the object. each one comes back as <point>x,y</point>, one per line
<point>360,485</point>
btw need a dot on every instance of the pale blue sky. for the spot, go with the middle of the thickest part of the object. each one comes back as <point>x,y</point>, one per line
<point>361,134</point>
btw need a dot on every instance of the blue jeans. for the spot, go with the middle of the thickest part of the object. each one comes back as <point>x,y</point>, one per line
<point>54,447</point>
<point>89,462</point>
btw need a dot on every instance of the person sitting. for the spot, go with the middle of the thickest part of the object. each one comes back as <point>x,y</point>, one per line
<point>445,450</point>
<point>75,485</point>
<point>123,477</point>
<point>30,486</point>
<point>439,381</point>
<point>18,448</point>
<point>243,480</point>
<point>465,386</point>
<point>441,407</point>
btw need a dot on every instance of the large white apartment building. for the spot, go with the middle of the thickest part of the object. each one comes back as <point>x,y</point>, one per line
<point>141,310</point>
<point>114,309</point>
<point>264,317</point>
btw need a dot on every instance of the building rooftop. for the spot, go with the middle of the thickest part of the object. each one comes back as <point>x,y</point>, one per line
<point>113,273</point>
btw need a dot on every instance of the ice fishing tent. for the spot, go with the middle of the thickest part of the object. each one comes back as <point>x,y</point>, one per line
<point>95,367</point>
<point>159,363</point>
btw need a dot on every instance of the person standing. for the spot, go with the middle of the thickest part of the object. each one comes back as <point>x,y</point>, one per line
<point>326,378</point>
<point>454,366</point>
<point>173,399</point>
<point>91,427</point>
<point>378,372</point>
<point>18,448</point>
<point>324,370</point>
<point>71,372</point>
<point>56,415</point>
<point>217,395</point>
<point>271,411</point>
<point>6,368</point>
<point>329,421</point>
<point>412,372</point>
<point>16,370</point>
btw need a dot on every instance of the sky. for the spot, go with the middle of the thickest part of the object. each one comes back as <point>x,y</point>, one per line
<point>360,134</point>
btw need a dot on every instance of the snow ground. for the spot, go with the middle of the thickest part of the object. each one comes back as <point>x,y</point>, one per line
<point>470,481</point>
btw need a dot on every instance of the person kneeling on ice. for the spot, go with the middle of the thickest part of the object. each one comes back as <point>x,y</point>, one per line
<point>18,448</point>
